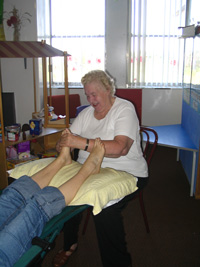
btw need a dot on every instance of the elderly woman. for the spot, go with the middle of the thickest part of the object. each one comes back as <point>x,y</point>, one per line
<point>114,120</point>
<point>28,203</point>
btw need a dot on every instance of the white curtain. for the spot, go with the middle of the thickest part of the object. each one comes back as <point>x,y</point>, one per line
<point>156,50</point>
<point>43,20</point>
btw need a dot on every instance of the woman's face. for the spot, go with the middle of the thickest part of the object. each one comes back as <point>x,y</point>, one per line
<point>97,96</point>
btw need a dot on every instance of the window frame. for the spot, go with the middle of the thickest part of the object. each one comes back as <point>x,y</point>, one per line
<point>51,39</point>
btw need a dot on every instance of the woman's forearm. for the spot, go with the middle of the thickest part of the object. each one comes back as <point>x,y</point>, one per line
<point>114,148</point>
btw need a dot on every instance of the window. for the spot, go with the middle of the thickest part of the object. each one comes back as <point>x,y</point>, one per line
<point>75,26</point>
<point>194,12</point>
<point>155,53</point>
<point>156,57</point>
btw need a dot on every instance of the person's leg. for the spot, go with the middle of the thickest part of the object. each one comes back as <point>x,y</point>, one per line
<point>111,237</point>
<point>13,199</point>
<point>16,237</point>
<point>91,166</point>
<point>44,176</point>
<point>111,234</point>
<point>70,231</point>
<point>93,160</point>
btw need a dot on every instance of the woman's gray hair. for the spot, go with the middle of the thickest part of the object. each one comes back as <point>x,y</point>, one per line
<point>101,76</point>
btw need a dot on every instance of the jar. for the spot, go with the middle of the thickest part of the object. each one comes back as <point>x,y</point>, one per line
<point>13,132</point>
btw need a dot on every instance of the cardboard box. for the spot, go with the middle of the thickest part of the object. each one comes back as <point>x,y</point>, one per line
<point>35,126</point>
<point>23,150</point>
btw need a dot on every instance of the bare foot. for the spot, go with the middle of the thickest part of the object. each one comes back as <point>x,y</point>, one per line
<point>91,166</point>
<point>66,131</point>
<point>93,163</point>
<point>65,151</point>
<point>65,156</point>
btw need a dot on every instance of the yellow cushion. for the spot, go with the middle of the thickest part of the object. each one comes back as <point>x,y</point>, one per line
<point>96,191</point>
<point>30,168</point>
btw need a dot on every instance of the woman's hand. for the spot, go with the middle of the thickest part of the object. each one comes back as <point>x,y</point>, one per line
<point>70,140</point>
<point>62,142</point>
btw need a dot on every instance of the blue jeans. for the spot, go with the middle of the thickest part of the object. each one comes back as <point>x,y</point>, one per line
<point>24,211</point>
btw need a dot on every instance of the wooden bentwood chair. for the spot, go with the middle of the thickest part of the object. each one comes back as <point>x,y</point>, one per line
<point>149,139</point>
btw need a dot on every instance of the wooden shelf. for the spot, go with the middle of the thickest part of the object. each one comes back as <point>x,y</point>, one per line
<point>45,132</point>
<point>52,130</point>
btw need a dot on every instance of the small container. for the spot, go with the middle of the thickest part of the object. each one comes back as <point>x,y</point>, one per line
<point>35,126</point>
<point>13,132</point>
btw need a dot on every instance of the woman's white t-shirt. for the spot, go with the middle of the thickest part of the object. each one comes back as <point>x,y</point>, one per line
<point>120,120</point>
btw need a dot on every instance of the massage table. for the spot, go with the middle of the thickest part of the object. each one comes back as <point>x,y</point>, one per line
<point>96,191</point>
<point>46,242</point>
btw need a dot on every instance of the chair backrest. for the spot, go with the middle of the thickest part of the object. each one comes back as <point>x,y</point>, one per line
<point>58,102</point>
<point>150,137</point>
<point>80,108</point>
